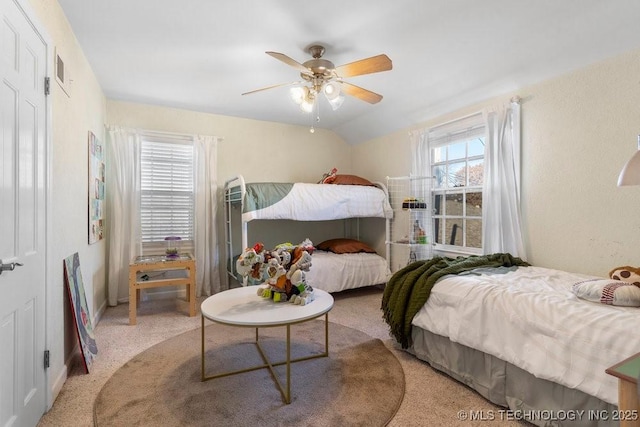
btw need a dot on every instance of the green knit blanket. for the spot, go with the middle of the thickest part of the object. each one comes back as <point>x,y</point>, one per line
<point>409,288</point>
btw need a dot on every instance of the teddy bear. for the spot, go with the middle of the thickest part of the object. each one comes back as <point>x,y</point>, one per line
<point>328,177</point>
<point>274,271</point>
<point>250,262</point>
<point>280,271</point>
<point>305,296</point>
<point>300,261</point>
<point>626,274</point>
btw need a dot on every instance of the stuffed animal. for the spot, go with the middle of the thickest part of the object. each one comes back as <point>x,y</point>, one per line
<point>329,177</point>
<point>281,271</point>
<point>249,263</point>
<point>305,296</point>
<point>626,274</point>
<point>301,261</point>
<point>274,271</point>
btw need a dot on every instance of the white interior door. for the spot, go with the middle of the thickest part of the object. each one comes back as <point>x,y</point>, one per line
<point>23,56</point>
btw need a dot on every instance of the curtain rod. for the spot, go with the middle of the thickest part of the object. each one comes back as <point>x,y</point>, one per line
<point>164,133</point>
<point>176,134</point>
<point>515,99</point>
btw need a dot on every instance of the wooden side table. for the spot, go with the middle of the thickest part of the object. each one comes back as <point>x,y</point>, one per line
<point>627,372</point>
<point>158,264</point>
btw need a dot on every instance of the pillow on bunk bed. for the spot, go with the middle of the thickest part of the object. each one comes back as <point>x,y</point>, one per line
<point>608,291</point>
<point>346,180</point>
<point>345,246</point>
<point>350,180</point>
<point>332,177</point>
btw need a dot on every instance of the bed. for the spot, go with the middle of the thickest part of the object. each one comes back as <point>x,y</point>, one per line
<point>253,202</point>
<point>522,338</point>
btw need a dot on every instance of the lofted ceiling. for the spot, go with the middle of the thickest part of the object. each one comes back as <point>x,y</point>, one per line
<point>202,54</point>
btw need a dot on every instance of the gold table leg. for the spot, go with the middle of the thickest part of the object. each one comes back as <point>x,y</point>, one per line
<point>286,394</point>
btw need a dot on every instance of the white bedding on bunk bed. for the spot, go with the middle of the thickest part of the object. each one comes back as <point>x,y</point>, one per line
<point>530,318</point>
<point>321,202</point>
<point>318,202</point>
<point>337,272</point>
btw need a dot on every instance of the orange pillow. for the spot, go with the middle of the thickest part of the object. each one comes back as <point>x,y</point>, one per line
<point>345,246</point>
<point>350,180</point>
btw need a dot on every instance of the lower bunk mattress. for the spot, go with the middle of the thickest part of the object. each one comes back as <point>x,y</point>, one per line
<point>338,272</point>
<point>528,320</point>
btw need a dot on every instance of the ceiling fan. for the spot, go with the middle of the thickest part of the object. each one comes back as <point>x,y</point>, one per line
<point>324,77</point>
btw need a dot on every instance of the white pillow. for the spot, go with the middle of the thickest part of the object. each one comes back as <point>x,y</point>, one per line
<point>608,291</point>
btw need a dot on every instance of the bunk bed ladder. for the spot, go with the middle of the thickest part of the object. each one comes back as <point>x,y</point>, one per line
<point>234,194</point>
<point>228,235</point>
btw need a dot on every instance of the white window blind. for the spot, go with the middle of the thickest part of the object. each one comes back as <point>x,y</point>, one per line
<point>469,127</point>
<point>166,189</point>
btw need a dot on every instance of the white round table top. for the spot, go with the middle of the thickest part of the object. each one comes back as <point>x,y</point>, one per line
<point>243,307</point>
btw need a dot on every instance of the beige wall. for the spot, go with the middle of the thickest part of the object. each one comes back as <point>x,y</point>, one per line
<point>260,151</point>
<point>72,118</point>
<point>578,130</point>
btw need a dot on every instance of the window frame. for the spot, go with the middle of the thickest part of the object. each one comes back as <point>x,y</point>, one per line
<point>466,130</point>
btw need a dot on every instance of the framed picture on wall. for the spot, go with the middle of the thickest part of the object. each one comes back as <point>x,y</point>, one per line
<point>96,189</point>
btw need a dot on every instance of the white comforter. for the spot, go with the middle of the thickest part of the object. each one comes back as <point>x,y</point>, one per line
<point>530,318</point>
<point>334,273</point>
<point>319,202</point>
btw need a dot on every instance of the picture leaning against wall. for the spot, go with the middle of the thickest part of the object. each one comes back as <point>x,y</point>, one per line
<point>81,314</point>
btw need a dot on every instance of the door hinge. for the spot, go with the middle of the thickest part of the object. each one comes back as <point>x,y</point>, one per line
<point>46,359</point>
<point>47,86</point>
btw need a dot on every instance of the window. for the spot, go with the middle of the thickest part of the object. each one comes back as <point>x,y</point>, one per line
<point>456,153</point>
<point>167,197</point>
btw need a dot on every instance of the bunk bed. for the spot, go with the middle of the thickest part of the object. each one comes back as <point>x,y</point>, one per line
<point>526,338</point>
<point>246,202</point>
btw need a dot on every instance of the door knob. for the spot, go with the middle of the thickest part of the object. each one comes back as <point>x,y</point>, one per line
<point>9,266</point>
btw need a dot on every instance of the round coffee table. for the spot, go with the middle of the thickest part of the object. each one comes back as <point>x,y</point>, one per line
<point>242,307</point>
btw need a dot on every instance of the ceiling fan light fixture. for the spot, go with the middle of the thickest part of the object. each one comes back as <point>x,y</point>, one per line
<point>332,90</point>
<point>336,102</point>
<point>304,97</point>
<point>298,94</point>
<point>307,106</point>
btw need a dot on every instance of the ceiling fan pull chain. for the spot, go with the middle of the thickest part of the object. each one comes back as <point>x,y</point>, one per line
<point>312,129</point>
<point>316,105</point>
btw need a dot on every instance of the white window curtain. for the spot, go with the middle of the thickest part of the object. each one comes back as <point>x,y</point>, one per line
<point>123,207</point>
<point>123,199</point>
<point>501,229</point>
<point>206,241</point>
<point>421,163</point>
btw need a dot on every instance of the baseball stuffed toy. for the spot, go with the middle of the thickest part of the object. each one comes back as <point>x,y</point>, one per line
<point>626,274</point>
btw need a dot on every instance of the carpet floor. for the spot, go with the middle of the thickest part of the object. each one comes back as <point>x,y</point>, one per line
<point>360,383</point>
<point>431,398</point>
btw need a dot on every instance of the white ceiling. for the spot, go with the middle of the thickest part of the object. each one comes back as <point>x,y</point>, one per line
<point>203,54</point>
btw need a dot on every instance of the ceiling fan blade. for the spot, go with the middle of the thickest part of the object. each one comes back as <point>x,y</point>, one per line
<point>375,64</point>
<point>363,94</point>
<point>291,62</point>
<point>271,87</point>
